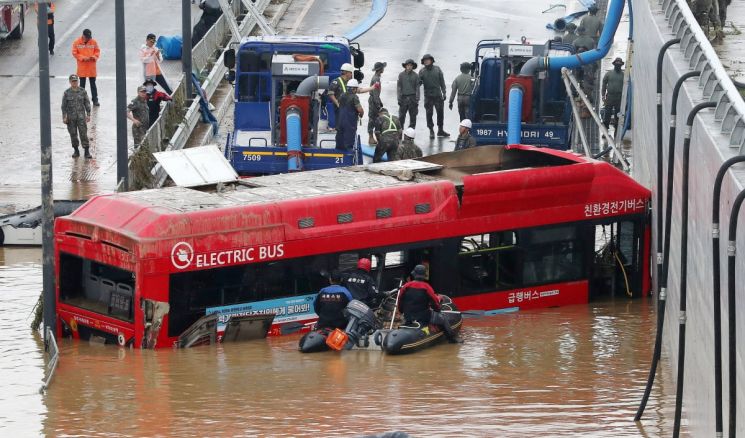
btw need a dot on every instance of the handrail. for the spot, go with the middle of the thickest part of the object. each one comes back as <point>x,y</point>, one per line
<point>716,83</point>
<point>53,350</point>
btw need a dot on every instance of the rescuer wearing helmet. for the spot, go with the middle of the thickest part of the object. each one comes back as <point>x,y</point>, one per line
<point>350,111</point>
<point>388,131</point>
<point>571,35</point>
<point>374,102</point>
<point>330,303</point>
<point>407,91</point>
<point>360,284</point>
<point>408,149</point>
<point>592,23</point>
<point>463,87</point>
<point>435,93</point>
<point>419,303</point>
<point>464,140</point>
<point>338,87</point>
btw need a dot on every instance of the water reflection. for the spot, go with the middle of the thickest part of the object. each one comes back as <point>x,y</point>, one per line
<point>572,371</point>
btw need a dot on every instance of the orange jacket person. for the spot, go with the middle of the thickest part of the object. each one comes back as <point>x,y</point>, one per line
<point>85,50</point>
<point>50,23</point>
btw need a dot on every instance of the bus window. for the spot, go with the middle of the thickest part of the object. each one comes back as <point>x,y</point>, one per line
<point>191,293</point>
<point>553,255</point>
<point>93,286</point>
<point>488,262</point>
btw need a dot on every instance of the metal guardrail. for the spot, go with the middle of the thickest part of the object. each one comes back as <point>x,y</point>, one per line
<point>716,83</point>
<point>202,55</point>
<point>53,351</point>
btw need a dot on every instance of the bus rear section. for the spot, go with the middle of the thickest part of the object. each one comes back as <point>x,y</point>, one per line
<point>96,298</point>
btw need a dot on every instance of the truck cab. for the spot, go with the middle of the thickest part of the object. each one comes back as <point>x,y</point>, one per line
<point>546,117</point>
<point>276,128</point>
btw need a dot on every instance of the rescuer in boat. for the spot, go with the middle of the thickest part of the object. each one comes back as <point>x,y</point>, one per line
<point>350,112</point>
<point>419,303</point>
<point>330,303</point>
<point>360,284</point>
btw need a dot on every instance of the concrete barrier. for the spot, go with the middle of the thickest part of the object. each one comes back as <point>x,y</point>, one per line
<point>716,136</point>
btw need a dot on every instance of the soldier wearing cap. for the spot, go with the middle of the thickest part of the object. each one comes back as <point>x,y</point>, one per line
<point>611,91</point>
<point>374,101</point>
<point>407,91</point>
<point>76,113</point>
<point>435,93</point>
<point>571,34</point>
<point>138,113</point>
<point>592,24</point>
<point>463,87</point>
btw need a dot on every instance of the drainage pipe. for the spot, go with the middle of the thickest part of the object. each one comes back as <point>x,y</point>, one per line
<point>514,114</point>
<point>311,84</point>
<point>615,10</point>
<point>684,264</point>
<point>732,317</point>
<point>717,295</point>
<point>661,298</point>
<point>294,139</point>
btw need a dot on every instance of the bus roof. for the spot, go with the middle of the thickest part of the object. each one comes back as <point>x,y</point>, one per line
<point>487,180</point>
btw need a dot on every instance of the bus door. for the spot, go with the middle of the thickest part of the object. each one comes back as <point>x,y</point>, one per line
<point>617,265</point>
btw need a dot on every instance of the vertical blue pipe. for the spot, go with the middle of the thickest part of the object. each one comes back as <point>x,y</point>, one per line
<point>514,115</point>
<point>294,140</point>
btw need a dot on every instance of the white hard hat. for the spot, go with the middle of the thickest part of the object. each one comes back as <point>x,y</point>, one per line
<point>466,123</point>
<point>353,83</point>
<point>410,132</point>
<point>347,67</point>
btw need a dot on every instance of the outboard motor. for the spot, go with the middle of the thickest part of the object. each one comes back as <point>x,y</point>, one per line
<point>362,321</point>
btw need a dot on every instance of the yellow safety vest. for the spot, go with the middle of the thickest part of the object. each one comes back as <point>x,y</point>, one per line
<point>391,125</point>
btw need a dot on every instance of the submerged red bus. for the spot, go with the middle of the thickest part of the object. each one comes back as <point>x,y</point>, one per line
<point>499,227</point>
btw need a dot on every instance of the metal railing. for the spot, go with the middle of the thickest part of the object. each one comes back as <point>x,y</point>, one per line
<point>179,118</point>
<point>53,351</point>
<point>716,84</point>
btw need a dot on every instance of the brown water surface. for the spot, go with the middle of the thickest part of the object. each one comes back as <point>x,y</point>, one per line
<point>570,371</point>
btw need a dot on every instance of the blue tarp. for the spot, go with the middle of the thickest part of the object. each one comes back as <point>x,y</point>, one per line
<point>377,12</point>
<point>170,46</point>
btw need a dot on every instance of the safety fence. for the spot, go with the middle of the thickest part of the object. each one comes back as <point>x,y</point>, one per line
<point>716,84</point>
<point>180,116</point>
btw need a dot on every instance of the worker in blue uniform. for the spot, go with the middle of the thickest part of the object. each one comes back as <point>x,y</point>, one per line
<point>330,303</point>
<point>350,112</point>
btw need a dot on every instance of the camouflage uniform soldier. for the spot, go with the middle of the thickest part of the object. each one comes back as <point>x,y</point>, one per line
<point>139,115</point>
<point>388,131</point>
<point>408,150</point>
<point>76,113</point>
<point>374,100</point>
<point>463,87</point>
<point>611,92</point>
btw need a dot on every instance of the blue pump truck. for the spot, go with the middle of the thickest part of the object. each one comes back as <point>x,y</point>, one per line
<point>282,118</point>
<point>546,113</point>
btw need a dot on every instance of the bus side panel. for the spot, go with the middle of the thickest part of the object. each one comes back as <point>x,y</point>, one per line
<point>154,288</point>
<point>531,297</point>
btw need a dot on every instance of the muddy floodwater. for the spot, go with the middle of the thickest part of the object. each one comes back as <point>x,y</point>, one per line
<point>570,371</point>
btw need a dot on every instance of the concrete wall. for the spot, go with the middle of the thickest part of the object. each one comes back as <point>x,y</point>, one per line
<point>708,150</point>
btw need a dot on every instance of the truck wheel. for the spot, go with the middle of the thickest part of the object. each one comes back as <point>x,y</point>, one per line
<point>18,31</point>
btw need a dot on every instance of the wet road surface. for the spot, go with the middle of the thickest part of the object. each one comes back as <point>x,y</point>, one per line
<point>19,97</point>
